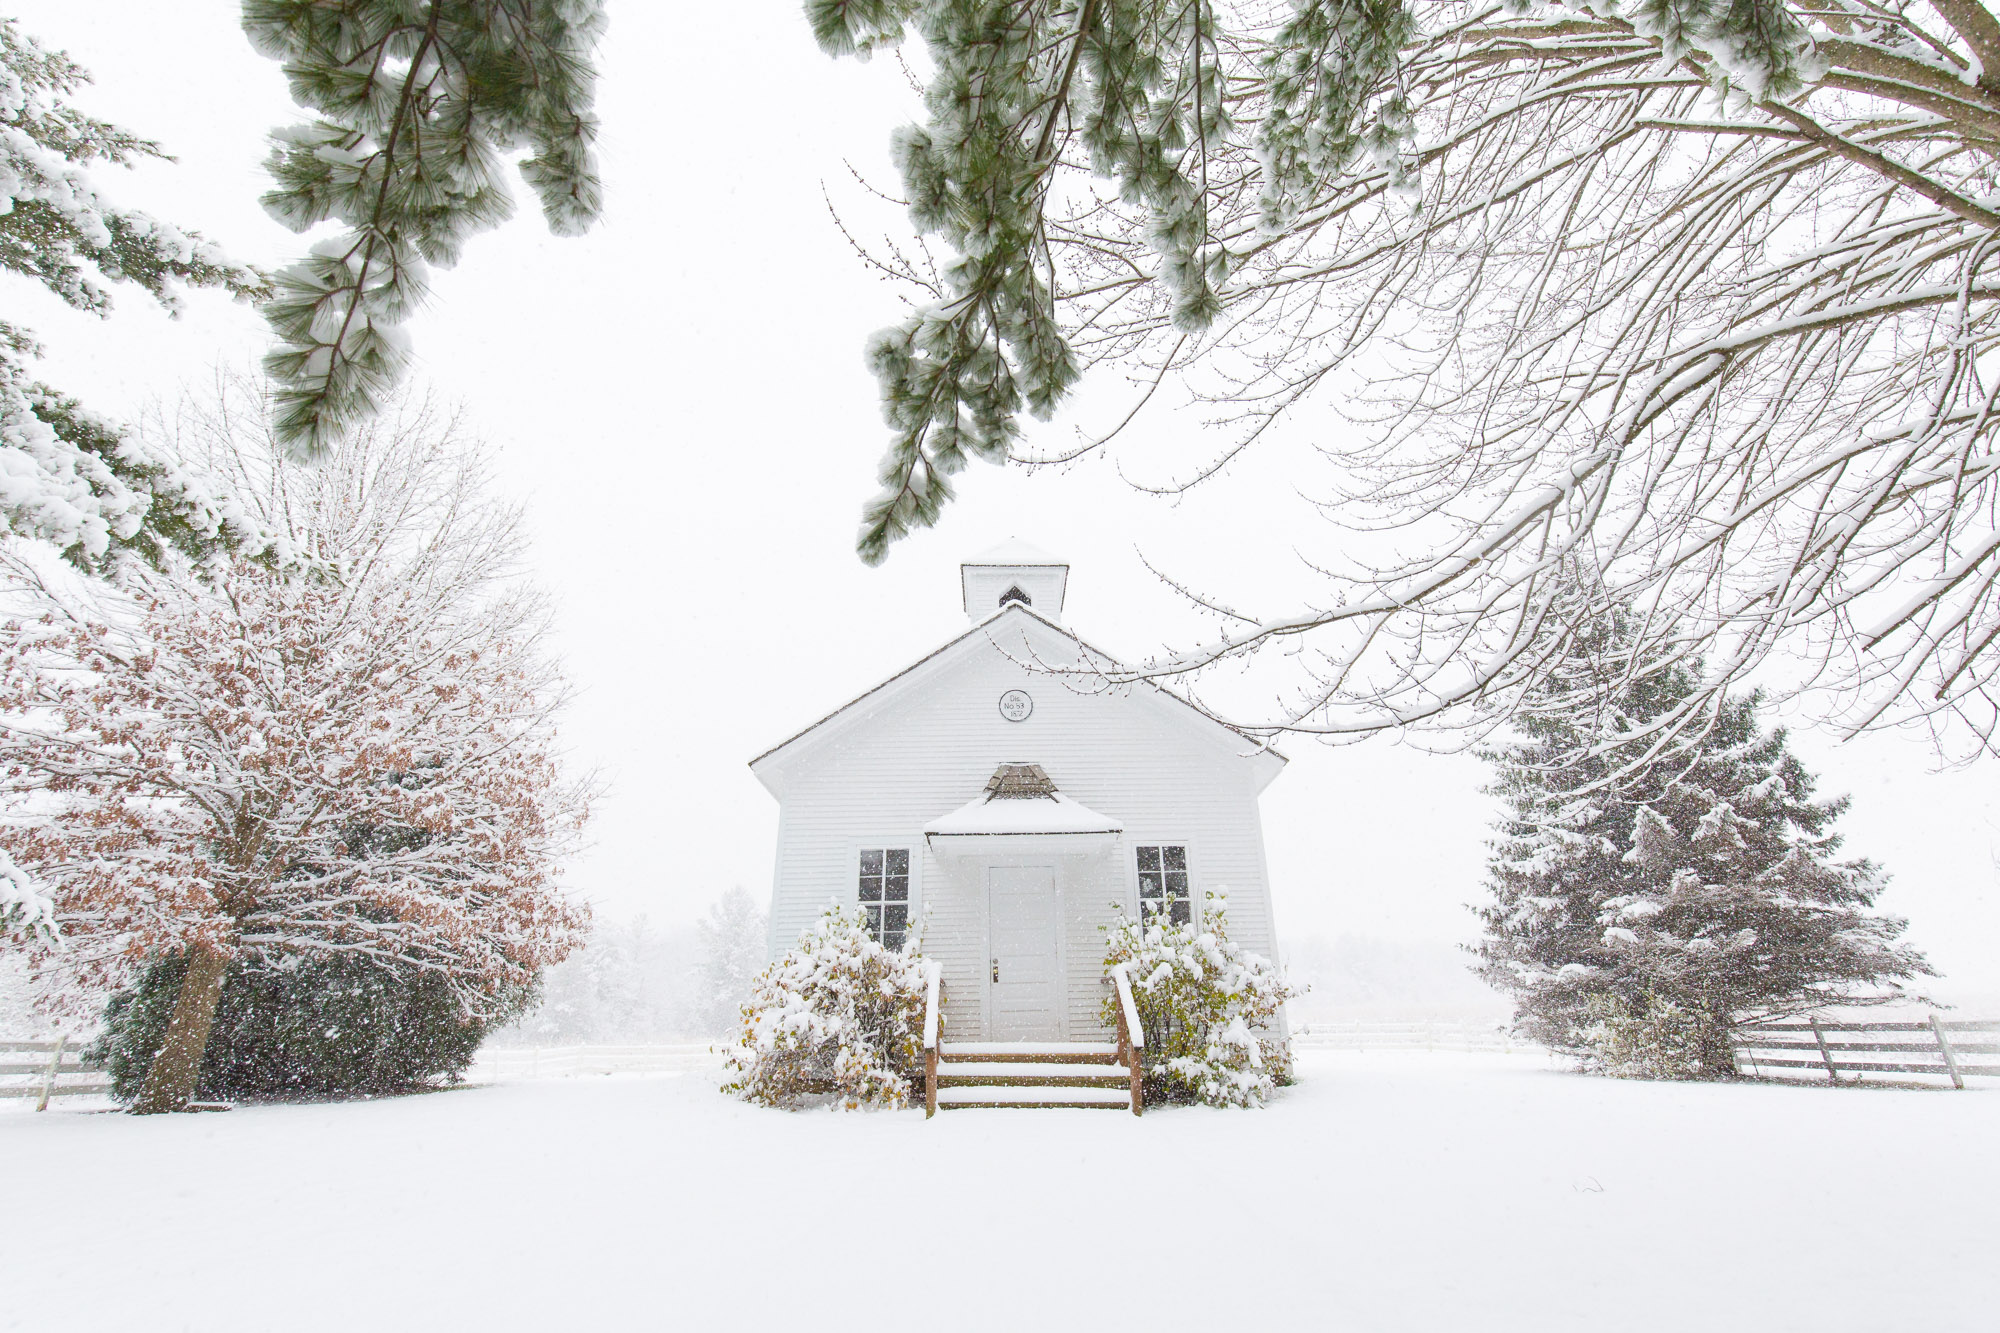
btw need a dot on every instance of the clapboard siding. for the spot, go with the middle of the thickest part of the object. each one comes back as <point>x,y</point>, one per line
<point>910,753</point>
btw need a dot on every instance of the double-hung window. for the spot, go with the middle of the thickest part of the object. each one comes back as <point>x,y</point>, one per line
<point>1163,882</point>
<point>885,893</point>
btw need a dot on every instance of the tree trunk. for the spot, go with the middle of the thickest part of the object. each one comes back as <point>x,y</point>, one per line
<point>170,1079</point>
<point>1718,1047</point>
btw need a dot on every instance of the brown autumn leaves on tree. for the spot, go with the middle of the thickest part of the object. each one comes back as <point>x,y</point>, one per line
<point>350,747</point>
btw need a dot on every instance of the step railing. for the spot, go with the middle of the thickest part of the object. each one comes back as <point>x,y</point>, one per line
<point>933,1019</point>
<point>1131,1034</point>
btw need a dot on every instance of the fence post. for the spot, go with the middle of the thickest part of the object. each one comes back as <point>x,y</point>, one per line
<point>49,1078</point>
<point>1832,1074</point>
<point>1950,1057</point>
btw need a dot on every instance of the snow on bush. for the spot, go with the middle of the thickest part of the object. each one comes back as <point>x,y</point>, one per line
<point>1202,999</point>
<point>1647,1036</point>
<point>840,1014</point>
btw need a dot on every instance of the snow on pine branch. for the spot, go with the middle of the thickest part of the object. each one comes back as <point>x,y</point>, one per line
<point>1697,298</point>
<point>66,476</point>
<point>417,108</point>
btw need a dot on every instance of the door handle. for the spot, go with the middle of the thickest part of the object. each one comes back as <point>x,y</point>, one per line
<point>996,969</point>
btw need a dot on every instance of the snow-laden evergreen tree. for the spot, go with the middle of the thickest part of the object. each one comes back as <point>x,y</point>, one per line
<point>417,104</point>
<point>1701,292</point>
<point>68,476</point>
<point>1647,899</point>
<point>733,952</point>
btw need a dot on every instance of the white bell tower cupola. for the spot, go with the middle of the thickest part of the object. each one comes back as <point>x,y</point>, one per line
<point>1014,572</point>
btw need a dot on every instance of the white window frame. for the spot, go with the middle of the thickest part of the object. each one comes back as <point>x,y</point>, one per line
<point>910,848</point>
<point>1139,900</point>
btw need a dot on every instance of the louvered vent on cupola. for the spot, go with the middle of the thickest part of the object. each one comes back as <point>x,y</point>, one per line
<point>1014,574</point>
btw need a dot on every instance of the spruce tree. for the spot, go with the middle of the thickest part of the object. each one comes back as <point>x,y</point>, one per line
<point>1646,901</point>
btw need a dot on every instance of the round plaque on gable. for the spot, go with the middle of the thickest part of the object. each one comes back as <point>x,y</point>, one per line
<point>1015,705</point>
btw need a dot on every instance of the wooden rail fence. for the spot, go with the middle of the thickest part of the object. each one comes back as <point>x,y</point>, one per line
<point>516,1063</point>
<point>1853,1051</point>
<point>45,1069</point>
<point>1364,1035</point>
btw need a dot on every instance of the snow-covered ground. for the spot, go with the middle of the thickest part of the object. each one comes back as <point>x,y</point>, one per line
<point>1388,1191</point>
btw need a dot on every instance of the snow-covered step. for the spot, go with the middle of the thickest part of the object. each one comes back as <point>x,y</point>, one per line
<point>953,1073</point>
<point>989,1095</point>
<point>1071,1052</point>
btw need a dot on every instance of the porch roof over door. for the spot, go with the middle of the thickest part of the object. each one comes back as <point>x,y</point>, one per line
<point>1019,806</point>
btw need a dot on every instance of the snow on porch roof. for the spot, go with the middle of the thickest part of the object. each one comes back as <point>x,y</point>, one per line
<point>1021,801</point>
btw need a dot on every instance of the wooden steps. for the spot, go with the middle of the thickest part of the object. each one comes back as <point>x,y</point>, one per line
<point>1020,1075</point>
<point>1031,1052</point>
<point>994,1097</point>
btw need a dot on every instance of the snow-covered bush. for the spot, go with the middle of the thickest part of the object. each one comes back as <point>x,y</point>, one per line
<point>1648,1036</point>
<point>332,1024</point>
<point>840,1014</point>
<point>1202,1000</point>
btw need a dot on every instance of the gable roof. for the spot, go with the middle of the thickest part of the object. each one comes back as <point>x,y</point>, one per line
<point>984,629</point>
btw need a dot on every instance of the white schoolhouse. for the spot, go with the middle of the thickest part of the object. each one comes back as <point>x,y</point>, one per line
<point>1013,813</point>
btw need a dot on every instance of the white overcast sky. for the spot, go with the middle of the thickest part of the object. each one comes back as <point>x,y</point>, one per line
<point>679,400</point>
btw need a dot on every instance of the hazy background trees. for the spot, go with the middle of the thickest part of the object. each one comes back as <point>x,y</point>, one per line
<point>635,981</point>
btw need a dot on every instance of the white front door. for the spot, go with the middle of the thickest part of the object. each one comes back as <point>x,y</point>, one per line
<point>1021,928</point>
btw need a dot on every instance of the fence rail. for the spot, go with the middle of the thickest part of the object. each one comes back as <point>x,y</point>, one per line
<point>46,1069</point>
<point>1362,1035</point>
<point>1936,1048</point>
<point>494,1063</point>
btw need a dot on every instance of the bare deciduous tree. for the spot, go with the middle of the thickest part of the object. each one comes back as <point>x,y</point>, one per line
<point>1700,297</point>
